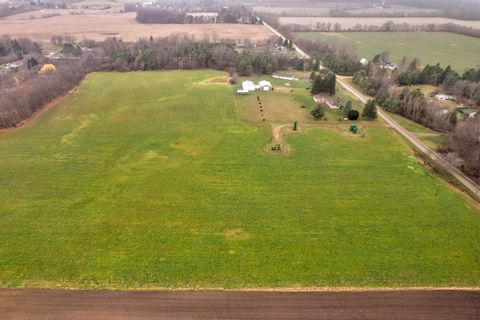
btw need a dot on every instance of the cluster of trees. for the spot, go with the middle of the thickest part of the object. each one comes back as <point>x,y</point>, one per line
<point>341,58</point>
<point>462,9</point>
<point>370,110</point>
<point>258,62</point>
<point>341,12</point>
<point>174,52</point>
<point>178,14</point>
<point>20,101</point>
<point>163,16</point>
<point>14,49</point>
<point>413,105</point>
<point>341,65</point>
<point>465,143</point>
<point>12,7</point>
<point>466,85</point>
<point>388,26</point>
<point>324,83</point>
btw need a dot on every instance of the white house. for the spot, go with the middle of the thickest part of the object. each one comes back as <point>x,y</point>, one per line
<point>472,114</point>
<point>329,102</point>
<point>389,66</point>
<point>265,85</point>
<point>283,76</point>
<point>444,97</point>
<point>248,85</point>
<point>364,62</point>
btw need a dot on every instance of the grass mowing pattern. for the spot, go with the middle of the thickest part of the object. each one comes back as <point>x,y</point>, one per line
<point>150,180</point>
<point>459,51</point>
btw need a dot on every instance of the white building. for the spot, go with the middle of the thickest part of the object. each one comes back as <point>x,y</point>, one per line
<point>364,62</point>
<point>444,97</point>
<point>248,86</point>
<point>329,102</point>
<point>283,76</point>
<point>265,85</point>
<point>389,66</point>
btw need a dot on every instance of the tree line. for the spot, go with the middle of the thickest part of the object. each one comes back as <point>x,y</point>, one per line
<point>341,58</point>
<point>462,147</point>
<point>19,101</point>
<point>465,85</point>
<point>388,26</point>
<point>461,9</point>
<point>233,14</point>
<point>12,49</point>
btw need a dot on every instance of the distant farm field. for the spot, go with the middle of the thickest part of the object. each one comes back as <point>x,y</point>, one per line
<point>97,25</point>
<point>347,23</point>
<point>154,179</point>
<point>431,47</point>
<point>322,9</point>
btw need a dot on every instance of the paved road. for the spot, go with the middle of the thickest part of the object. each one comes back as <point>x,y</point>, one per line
<point>302,53</point>
<point>462,178</point>
<point>121,305</point>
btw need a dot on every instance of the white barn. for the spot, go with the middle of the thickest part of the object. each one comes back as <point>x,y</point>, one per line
<point>444,97</point>
<point>248,85</point>
<point>283,76</point>
<point>265,85</point>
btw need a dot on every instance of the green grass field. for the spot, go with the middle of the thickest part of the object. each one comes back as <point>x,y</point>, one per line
<point>459,51</point>
<point>149,180</point>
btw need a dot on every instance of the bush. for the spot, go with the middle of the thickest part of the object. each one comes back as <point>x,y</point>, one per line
<point>370,110</point>
<point>318,112</point>
<point>353,115</point>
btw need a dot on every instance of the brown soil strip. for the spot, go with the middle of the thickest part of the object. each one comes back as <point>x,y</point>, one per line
<point>81,305</point>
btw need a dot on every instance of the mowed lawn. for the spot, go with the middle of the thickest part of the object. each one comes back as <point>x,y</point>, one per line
<point>459,51</point>
<point>150,180</point>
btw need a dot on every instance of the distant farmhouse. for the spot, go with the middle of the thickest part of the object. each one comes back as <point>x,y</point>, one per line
<point>364,62</point>
<point>444,97</point>
<point>201,17</point>
<point>284,76</point>
<point>388,66</point>
<point>332,104</point>
<point>250,86</point>
<point>13,66</point>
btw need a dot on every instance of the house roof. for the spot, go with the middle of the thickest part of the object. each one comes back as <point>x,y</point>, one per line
<point>202,14</point>
<point>265,83</point>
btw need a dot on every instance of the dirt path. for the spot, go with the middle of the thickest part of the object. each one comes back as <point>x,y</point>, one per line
<point>82,305</point>
<point>277,132</point>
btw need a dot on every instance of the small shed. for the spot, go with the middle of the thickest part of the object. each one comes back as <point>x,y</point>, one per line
<point>248,85</point>
<point>364,62</point>
<point>284,76</point>
<point>265,85</point>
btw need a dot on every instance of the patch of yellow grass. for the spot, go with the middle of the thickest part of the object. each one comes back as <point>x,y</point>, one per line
<point>237,234</point>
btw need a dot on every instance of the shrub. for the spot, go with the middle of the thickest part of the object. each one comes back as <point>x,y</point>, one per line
<point>353,115</point>
<point>318,112</point>
<point>370,110</point>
